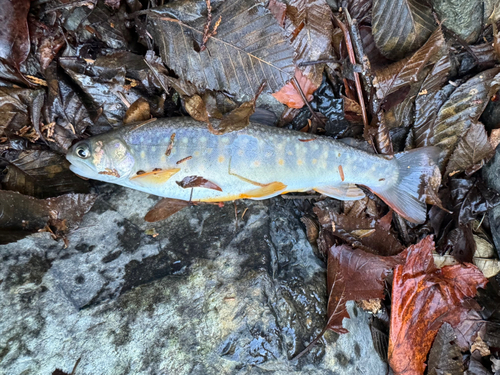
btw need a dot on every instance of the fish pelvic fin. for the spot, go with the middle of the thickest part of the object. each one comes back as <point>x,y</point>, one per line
<point>406,194</point>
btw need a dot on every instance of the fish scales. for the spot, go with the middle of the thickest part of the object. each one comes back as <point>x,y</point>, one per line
<point>256,162</point>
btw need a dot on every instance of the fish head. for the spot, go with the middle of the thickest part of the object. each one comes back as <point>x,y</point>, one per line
<point>101,159</point>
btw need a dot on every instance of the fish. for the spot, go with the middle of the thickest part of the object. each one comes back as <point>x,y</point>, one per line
<point>179,158</point>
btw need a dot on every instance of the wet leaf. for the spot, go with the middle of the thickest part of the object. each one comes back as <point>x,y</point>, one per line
<point>20,108</point>
<point>48,41</point>
<point>361,231</point>
<point>358,9</point>
<point>14,37</point>
<point>354,275</point>
<point>445,356</point>
<point>196,107</point>
<point>138,111</point>
<point>197,181</point>
<point>308,25</point>
<point>41,174</point>
<point>249,46</point>
<point>461,110</point>
<point>278,9</point>
<point>472,151</point>
<point>423,298</point>
<point>405,72</point>
<point>401,26</point>
<point>431,97</point>
<point>485,257</point>
<point>22,215</point>
<point>164,209</point>
<point>289,95</point>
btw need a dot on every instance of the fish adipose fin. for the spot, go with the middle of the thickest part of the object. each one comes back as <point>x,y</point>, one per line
<point>345,192</point>
<point>406,194</point>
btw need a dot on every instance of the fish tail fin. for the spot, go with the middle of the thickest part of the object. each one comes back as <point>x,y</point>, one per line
<point>406,194</point>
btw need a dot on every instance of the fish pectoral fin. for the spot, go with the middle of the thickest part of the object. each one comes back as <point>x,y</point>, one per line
<point>267,191</point>
<point>344,192</point>
<point>156,176</point>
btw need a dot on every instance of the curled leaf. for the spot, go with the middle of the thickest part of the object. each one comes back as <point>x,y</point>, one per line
<point>138,111</point>
<point>164,209</point>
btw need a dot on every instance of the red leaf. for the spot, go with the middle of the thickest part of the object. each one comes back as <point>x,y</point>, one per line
<point>197,181</point>
<point>423,298</point>
<point>288,94</point>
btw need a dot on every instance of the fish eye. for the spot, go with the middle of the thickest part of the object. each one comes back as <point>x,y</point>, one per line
<point>83,151</point>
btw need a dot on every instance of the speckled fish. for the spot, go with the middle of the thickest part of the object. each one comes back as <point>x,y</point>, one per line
<point>180,158</point>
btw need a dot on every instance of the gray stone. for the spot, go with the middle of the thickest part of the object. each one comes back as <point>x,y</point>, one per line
<point>207,295</point>
<point>464,17</point>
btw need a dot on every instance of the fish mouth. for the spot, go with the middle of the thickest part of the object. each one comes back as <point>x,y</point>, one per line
<point>80,168</point>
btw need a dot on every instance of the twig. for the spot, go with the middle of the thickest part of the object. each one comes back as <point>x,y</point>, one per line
<point>207,34</point>
<point>295,83</point>
<point>352,59</point>
<point>89,3</point>
<point>324,61</point>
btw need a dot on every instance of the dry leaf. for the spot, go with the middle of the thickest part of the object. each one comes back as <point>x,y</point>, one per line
<point>137,112</point>
<point>164,209</point>
<point>197,181</point>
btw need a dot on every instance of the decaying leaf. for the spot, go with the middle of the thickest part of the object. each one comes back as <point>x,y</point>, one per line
<point>137,112</point>
<point>472,151</point>
<point>445,356</point>
<point>22,215</point>
<point>249,47</point>
<point>485,257</point>
<point>401,26</point>
<point>407,71</point>
<point>460,111</point>
<point>165,208</point>
<point>423,298</point>
<point>197,181</point>
<point>14,37</point>
<point>308,25</point>
<point>354,275</point>
<point>431,97</point>
<point>360,231</point>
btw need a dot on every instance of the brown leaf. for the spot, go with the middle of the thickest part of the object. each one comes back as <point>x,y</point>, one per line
<point>137,112</point>
<point>278,9</point>
<point>461,110</point>
<point>164,209</point>
<point>360,231</point>
<point>196,108</point>
<point>354,275</point>
<point>405,72</point>
<point>238,118</point>
<point>249,47</point>
<point>309,27</point>
<point>401,26</point>
<point>423,298</point>
<point>472,151</point>
<point>289,96</point>
<point>14,38</point>
<point>445,356</point>
<point>197,181</point>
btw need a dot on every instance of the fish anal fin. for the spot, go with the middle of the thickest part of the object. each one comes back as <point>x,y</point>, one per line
<point>267,191</point>
<point>345,192</point>
<point>156,176</point>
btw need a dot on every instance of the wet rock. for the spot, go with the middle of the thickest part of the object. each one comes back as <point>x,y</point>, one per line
<point>205,295</point>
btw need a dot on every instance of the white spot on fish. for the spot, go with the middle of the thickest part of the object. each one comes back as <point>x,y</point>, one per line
<point>315,145</point>
<point>153,149</point>
<point>163,159</point>
<point>143,155</point>
<point>142,139</point>
<point>203,139</point>
<point>185,140</point>
<point>225,140</point>
<point>290,153</point>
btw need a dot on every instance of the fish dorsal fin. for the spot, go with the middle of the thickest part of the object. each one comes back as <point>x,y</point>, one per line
<point>156,176</point>
<point>267,191</point>
<point>344,192</point>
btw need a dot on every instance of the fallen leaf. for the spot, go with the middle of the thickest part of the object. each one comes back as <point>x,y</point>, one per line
<point>472,151</point>
<point>164,209</point>
<point>137,112</point>
<point>249,47</point>
<point>480,346</point>
<point>308,25</point>
<point>423,298</point>
<point>485,257</point>
<point>14,38</point>
<point>197,181</point>
<point>278,10</point>
<point>445,356</point>
<point>401,26</point>
<point>402,73</point>
<point>289,95</point>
